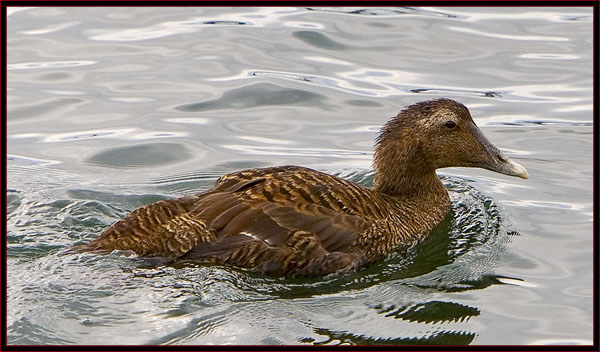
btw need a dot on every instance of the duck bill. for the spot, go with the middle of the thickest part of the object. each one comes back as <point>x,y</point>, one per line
<point>498,161</point>
<point>511,168</point>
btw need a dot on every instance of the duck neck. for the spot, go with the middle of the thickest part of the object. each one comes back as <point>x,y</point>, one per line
<point>406,184</point>
<point>402,174</point>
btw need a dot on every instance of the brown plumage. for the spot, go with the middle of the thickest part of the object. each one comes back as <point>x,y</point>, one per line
<point>296,221</point>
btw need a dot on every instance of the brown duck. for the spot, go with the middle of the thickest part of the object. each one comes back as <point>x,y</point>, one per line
<point>292,220</point>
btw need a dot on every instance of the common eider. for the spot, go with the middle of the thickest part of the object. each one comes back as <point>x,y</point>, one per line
<point>291,220</point>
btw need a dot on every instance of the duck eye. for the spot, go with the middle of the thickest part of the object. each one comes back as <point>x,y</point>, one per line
<point>450,124</point>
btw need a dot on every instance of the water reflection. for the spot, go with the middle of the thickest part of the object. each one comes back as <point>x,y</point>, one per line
<point>255,95</point>
<point>507,36</point>
<point>457,257</point>
<point>140,155</point>
<point>318,152</point>
<point>45,109</point>
<point>51,29</point>
<point>437,338</point>
<point>430,312</point>
<point>318,40</point>
<point>386,12</point>
<point>264,17</point>
<point>81,135</point>
<point>48,64</point>
<point>454,91</point>
<point>365,82</point>
<point>30,162</point>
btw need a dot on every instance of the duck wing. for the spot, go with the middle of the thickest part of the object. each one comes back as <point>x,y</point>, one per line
<point>282,219</point>
<point>277,220</point>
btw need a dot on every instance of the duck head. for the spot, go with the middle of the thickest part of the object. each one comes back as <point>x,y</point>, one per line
<point>430,135</point>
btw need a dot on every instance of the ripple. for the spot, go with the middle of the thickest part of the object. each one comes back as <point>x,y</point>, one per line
<point>319,40</point>
<point>132,100</point>
<point>549,122</point>
<point>562,342</point>
<point>123,134</point>
<point>312,25</point>
<point>49,64</point>
<point>435,338</point>
<point>430,312</point>
<point>257,95</point>
<point>158,134</point>
<point>518,15</point>
<point>581,18</point>
<point>577,207</point>
<point>360,81</point>
<point>532,38</point>
<point>226,23</point>
<point>207,325</point>
<point>540,93</point>
<point>44,109</point>
<point>373,83</point>
<point>188,120</point>
<point>13,200</point>
<point>29,162</point>
<point>187,182</point>
<point>25,332</point>
<point>83,135</point>
<point>329,60</point>
<point>152,154</point>
<point>263,126</point>
<point>38,227</point>
<point>147,33</point>
<point>575,108</point>
<point>386,12</point>
<point>187,176</point>
<point>65,92</point>
<point>289,151</point>
<point>525,120</point>
<point>265,140</point>
<point>11,10</point>
<point>52,28</point>
<point>57,76</point>
<point>516,282</point>
<point>548,56</point>
<point>160,30</point>
<point>462,92</point>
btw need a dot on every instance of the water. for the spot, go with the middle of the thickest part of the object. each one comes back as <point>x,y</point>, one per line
<point>113,108</point>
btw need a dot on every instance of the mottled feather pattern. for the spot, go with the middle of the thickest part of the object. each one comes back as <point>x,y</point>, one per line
<point>163,228</point>
<point>287,219</point>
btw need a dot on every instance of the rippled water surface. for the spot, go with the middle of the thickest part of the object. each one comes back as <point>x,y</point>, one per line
<point>113,108</point>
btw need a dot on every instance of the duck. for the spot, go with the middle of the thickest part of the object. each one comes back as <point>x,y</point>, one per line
<point>296,221</point>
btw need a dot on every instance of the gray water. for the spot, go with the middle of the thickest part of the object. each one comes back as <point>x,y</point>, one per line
<point>113,108</point>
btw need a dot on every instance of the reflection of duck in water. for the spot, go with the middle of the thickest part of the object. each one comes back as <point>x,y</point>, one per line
<point>297,221</point>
